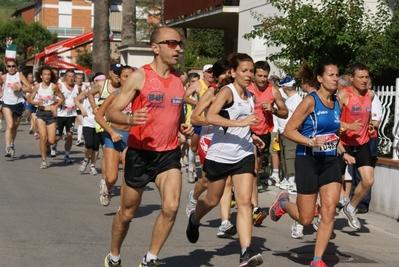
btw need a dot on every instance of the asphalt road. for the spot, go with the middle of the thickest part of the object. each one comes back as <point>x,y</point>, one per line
<point>53,217</point>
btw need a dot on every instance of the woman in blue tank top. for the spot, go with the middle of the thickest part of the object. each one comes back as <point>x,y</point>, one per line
<point>314,127</point>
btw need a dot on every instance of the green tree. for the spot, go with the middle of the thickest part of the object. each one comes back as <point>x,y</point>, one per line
<point>328,30</point>
<point>84,58</point>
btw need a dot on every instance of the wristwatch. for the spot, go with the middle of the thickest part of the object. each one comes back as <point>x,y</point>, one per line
<point>274,111</point>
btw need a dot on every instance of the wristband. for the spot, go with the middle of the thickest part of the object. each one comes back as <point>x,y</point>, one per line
<point>311,142</point>
<point>274,111</point>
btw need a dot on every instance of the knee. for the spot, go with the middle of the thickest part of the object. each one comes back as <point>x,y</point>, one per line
<point>125,215</point>
<point>305,221</point>
<point>368,183</point>
<point>170,209</point>
<point>212,201</point>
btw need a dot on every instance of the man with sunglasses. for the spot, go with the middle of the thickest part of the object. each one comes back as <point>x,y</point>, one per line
<point>156,93</point>
<point>13,102</point>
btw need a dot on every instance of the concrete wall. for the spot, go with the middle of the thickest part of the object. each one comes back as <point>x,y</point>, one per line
<point>136,56</point>
<point>385,192</point>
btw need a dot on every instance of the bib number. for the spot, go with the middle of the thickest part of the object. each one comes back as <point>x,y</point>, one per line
<point>330,144</point>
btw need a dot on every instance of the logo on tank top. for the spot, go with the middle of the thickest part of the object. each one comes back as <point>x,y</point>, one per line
<point>176,100</point>
<point>368,109</point>
<point>321,112</point>
<point>156,97</point>
<point>337,117</point>
<point>356,108</point>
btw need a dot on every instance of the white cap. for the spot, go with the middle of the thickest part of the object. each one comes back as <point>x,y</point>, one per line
<point>207,67</point>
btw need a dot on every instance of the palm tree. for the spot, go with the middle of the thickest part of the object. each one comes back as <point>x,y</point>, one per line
<point>128,23</point>
<point>101,31</point>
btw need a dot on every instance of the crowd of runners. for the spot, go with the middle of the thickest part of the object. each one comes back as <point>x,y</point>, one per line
<point>237,120</point>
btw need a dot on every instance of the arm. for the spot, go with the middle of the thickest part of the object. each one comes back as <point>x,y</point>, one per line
<point>282,111</point>
<point>61,99</point>
<point>32,96</point>
<point>189,91</point>
<point>26,87</point>
<point>99,117</point>
<point>205,102</point>
<point>295,122</point>
<point>224,97</point>
<point>78,101</point>
<point>96,90</point>
<point>130,90</point>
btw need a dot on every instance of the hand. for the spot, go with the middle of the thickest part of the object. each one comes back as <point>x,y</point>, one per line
<point>54,111</point>
<point>371,129</point>
<point>258,142</point>
<point>84,112</point>
<point>40,103</point>
<point>95,109</point>
<point>250,120</point>
<point>139,117</point>
<point>319,141</point>
<point>348,159</point>
<point>355,126</point>
<point>187,129</point>
<point>116,137</point>
<point>15,88</point>
<point>267,107</point>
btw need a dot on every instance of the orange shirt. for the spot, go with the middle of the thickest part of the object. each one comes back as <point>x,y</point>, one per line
<point>164,98</point>
<point>265,124</point>
<point>359,107</point>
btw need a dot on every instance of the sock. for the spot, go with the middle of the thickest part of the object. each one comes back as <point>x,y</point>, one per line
<point>283,204</point>
<point>150,257</point>
<point>67,153</point>
<point>316,259</point>
<point>192,221</point>
<point>115,258</point>
<point>243,250</point>
<point>191,160</point>
<point>192,200</point>
<point>80,132</point>
<point>350,208</point>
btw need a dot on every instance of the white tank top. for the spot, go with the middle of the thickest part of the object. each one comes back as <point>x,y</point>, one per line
<point>68,109</point>
<point>46,95</point>
<point>89,121</point>
<point>232,144</point>
<point>9,96</point>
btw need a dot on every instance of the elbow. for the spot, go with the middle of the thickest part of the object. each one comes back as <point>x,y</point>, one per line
<point>285,114</point>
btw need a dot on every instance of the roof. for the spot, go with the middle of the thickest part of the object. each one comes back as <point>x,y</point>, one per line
<point>23,8</point>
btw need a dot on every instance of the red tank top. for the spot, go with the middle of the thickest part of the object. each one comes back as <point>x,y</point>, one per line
<point>265,124</point>
<point>359,107</point>
<point>164,98</point>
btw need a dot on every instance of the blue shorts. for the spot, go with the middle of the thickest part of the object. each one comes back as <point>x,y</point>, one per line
<point>197,129</point>
<point>121,144</point>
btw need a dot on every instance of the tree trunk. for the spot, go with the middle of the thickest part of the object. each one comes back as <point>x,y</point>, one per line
<point>128,22</point>
<point>101,43</point>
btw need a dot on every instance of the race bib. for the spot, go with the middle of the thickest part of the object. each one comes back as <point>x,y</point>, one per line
<point>330,144</point>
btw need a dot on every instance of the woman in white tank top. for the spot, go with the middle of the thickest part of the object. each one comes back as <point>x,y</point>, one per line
<point>43,96</point>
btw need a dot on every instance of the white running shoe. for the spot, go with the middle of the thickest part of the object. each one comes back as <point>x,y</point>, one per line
<point>316,222</point>
<point>43,165</point>
<point>191,177</point>
<point>191,203</point>
<point>105,197</point>
<point>226,229</point>
<point>297,230</point>
<point>352,218</point>
<point>292,189</point>
<point>83,166</point>
<point>284,184</point>
<point>102,184</point>
<point>93,170</point>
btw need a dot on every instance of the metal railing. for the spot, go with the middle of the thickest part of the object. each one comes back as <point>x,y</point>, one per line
<point>66,31</point>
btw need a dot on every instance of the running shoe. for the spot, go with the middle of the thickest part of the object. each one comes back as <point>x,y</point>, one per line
<point>192,232</point>
<point>151,263</point>
<point>284,184</point>
<point>316,222</point>
<point>102,183</point>
<point>297,230</point>
<point>108,262</point>
<point>258,216</point>
<point>352,218</point>
<point>36,136</point>
<point>318,263</point>
<point>67,160</point>
<point>8,152</point>
<point>276,211</point>
<point>191,177</point>
<point>105,197</point>
<point>341,203</point>
<point>83,166</point>
<point>191,203</point>
<point>43,165</point>
<point>53,151</point>
<point>226,230</point>
<point>79,143</point>
<point>292,189</point>
<point>12,150</point>
<point>250,259</point>
<point>93,170</point>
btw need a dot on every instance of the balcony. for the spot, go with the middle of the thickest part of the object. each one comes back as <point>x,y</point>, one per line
<point>204,14</point>
<point>65,31</point>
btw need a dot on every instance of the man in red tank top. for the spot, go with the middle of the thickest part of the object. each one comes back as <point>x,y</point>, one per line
<point>356,132</point>
<point>156,92</point>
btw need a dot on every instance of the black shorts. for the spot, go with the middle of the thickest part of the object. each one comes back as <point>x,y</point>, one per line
<point>362,154</point>
<point>45,115</point>
<point>67,122</point>
<point>312,172</point>
<point>266,138</point>
<point>216,171</point>
<point>143,166</point>
<point>17,109</point>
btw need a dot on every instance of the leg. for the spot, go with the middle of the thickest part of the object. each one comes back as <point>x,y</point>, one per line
<point>169,185</point>
<point>120,225</point>
<point>361,190</point>
<point>43,138</point>
<point>112,166</point>
<point>329,195</point>
<point>303,210</point>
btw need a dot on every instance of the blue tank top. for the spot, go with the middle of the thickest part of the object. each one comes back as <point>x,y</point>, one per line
<point>322,121</point>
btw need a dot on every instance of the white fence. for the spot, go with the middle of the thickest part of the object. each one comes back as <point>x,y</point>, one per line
<point>389,96</point>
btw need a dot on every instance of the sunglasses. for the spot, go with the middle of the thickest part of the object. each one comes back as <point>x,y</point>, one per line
<point>11,66</point>
<point>172,44</point>
<point>209,71</point>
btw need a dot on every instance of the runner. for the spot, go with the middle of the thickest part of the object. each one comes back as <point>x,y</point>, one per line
<point>153,155</point>
<point>231,115</point>
<point>43,96</point>
<point>13,102</point>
